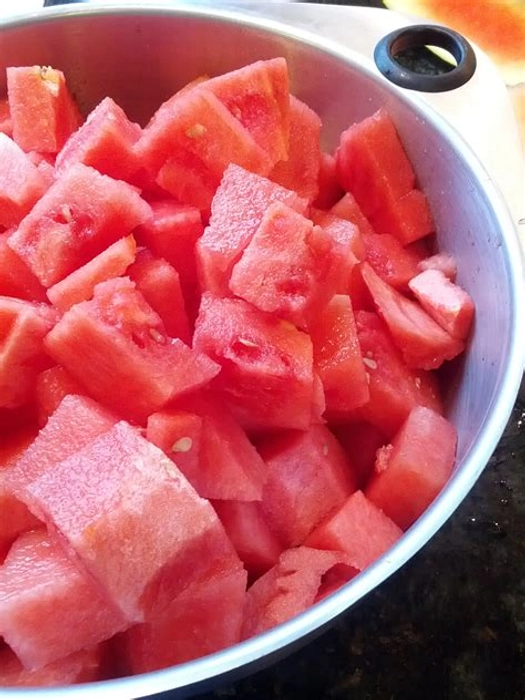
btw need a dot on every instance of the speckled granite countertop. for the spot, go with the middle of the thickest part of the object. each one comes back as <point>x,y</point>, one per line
<point>450,625</point>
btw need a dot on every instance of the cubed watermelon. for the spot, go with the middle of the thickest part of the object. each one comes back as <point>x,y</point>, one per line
<point>51,387</point>
<point>21,183</point>
<point>16,279</point>
<point>81,667</point>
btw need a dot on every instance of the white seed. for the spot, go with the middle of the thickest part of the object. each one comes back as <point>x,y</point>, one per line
<point>248,343</point>
<point>372,364</point>
<point>196,131</point>
<point>184,444</point>
<point>157,336</point>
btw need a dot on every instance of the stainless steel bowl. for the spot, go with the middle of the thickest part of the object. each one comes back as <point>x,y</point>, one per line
<point>140,56</point>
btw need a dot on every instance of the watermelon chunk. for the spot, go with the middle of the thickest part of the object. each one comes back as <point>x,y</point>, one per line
<point>447,303</point>
<point>159,284</point>
<point>21,183</point>
<point>424,344</point>
<point>79,216</point>
<point>360,440</point>
<point>104,141</point>
<point>299,170</point>
<point>76,421</point>
<point>308,477</point>
<point>6,123</point>
<point>178,433</point>
<point>23,327</point>
<point>266,364</point>
<point>16,279</point>
<point>288,267</point>
<point>79,285</point>
<point>288,588</point>
<point>40,584</point>
<point>122,489</point>
<point>359,529</point>
<point>81,667</point>
<point>258,96</point>
<point>238,207</point>
<point>249,531</point>
<point>116,347</point>
<point>15,517</point>
<point>43,112</point>
<point>201,620</point>
<point>338,359</point>
<point>394,388</point>
<point>51,387</point>
<point>411,471</point>
<point>347,208</point>
<point>328,187</point>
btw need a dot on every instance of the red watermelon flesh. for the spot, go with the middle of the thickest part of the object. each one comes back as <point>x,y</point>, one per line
<point>393,262</point>
<point>16,279</point>
<point>23,327</point>
<point>338,359</point>
<point>443,262</point>
<point>196,122</point>
<point>43,112</point>
<point>287,268</point>
<point>408,218</point>
<point>122,489</point>
<point>40,585</point>
<point>423,343</point>
<point>21,183</point>
<point>81,667</point>
<point>75,422</point>
<point>329,189</point>
<point>172,233</point>
<point>6,123</point>
<point>51,387</point>
<point>238,207</point>
<point>411,471</point>
<point>204,618</point>
<point>299,170</point>
<point>288,588</point>
<point>116,347</point>
<point>79,285</point>
<point>394,388</point>
<point>249,531</point>
<point>229,466</point>
<point>360,440</point>
<point>258,96</point>
<point>79,216</point>
<point>15,518</point>
<point>308,477</point>
<point>359,529</point>
<point>178,433</point>
<point>266,364</point>
<point>159,284</point>
<point>104,141</point>
<point>347,208</point>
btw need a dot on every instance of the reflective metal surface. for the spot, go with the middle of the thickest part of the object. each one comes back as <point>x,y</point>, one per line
<point>140,56</point>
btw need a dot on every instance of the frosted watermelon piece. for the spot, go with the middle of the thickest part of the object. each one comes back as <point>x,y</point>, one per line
<point>81,667</point>
<point>338,359</point>
<point>121,488</point>
<point>443,262</point>
<point>394,389</point>
<point>288,588</point>
<point>41,586</point>
<point>238,207</point>
<point>411,471</point>
<point>308,467</point>
<point>229,467</point>
<point>51,387</point>
<point>159,284</point>
<point>79,216</point>
<point>21,183</point>
<point>75,422</point>
<point>266,364</point>
<point>16,279</point>
<point>359,529</point>
<point>258,96</point>
<point>15,518</point>
<point>79,285</point>
<point>43,112</point>
<point>116,347</point>
<point>299,171</point>
<point>204,618</point>
<point>287,268</point>
<point>104,141</point>
<point>249,531</point>
<point>347,208</point>
<point>23,327</point>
